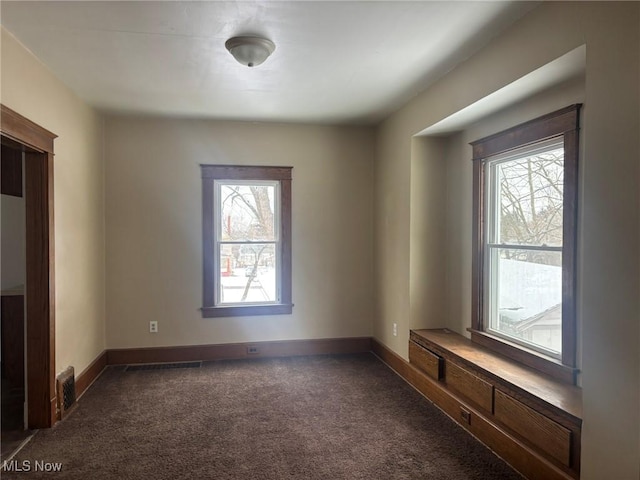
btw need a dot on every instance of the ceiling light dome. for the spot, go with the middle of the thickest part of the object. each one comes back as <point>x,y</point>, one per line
<point>250,51</point>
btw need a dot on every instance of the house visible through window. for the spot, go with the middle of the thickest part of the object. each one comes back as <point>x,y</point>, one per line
<point>525,194</point>
<point>247,240</point>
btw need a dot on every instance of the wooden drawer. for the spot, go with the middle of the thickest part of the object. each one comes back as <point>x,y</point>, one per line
<point>470,386</point>
<point>425,360</point>
<point>547,435</point>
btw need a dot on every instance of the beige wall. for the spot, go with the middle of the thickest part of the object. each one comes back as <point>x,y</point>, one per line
<point>609,277</point>
<point>30,89</point>
<point>392,173</point>
<point>154,229</point>
<point>427,239</point>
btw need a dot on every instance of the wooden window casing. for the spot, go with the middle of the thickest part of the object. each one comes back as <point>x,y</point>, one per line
<point>562,124</point>
<point>211,173</point>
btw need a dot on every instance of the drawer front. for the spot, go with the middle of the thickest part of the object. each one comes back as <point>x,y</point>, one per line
<point>470,386</point>
<point>541,431</point>
<point>425,360</point>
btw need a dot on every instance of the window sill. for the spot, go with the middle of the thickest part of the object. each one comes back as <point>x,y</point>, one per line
<point>246,311</point>
<point>530,358</point>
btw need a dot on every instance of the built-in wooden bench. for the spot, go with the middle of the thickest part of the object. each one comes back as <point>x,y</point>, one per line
<point>530,419</point>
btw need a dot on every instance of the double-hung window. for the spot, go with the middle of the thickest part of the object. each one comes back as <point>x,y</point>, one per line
<point>246,240</point>
<point>525,195</point>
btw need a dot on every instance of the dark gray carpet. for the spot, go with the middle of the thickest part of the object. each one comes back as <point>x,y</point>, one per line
<point>323,417</point>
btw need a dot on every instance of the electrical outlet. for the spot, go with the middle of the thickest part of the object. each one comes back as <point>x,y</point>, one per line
<point>153,326</point>
<point>252,350</point>
<point>395,329</point>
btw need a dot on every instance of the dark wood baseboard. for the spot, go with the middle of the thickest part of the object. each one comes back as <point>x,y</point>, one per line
<point>229,351</point>
<point>286,348</point>
<point>514,452</point>
<point>90,374</point>
<point>391,358</point>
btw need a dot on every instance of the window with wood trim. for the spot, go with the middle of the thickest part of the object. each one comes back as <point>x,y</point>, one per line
<point>524,242</point>
<point>246,219</point>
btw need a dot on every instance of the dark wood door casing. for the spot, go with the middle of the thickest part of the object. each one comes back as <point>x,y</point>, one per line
<point>37,144</point>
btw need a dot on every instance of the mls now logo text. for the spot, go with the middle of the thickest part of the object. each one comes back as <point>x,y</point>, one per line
<point>29,466</point>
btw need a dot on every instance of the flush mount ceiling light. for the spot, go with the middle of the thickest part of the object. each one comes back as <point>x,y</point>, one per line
<point>250,51</point>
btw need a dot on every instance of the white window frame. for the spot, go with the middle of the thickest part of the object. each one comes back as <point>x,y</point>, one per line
<point>277,242</point>
<point>491,236</point>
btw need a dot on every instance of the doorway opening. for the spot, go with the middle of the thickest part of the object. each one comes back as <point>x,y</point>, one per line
<point>27,149</point>
<point>13,274</point>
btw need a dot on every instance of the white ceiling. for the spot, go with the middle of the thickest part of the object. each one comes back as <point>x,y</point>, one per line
<point>335,61</point>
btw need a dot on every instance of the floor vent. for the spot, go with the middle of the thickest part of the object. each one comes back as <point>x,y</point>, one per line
<point>66,392</point>
<point>162,366</point>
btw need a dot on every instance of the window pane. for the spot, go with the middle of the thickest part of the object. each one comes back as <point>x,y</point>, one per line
<point>526,303</point>
<point>529,198</point>
<point>248,212</point>
<point>247,273</point>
